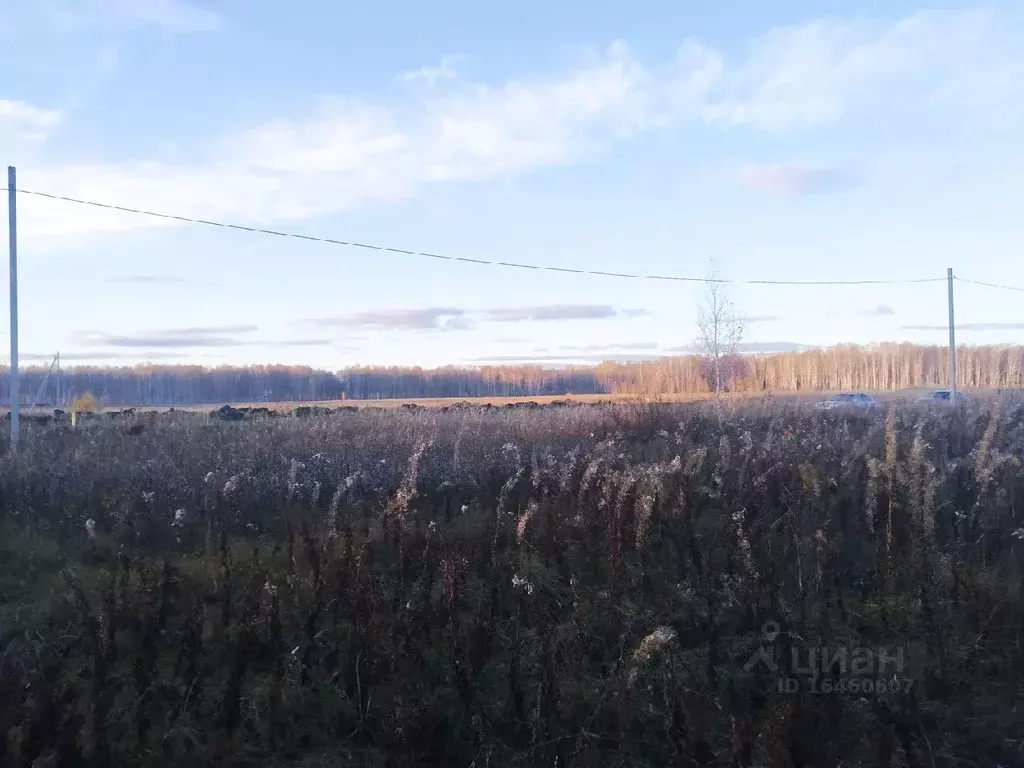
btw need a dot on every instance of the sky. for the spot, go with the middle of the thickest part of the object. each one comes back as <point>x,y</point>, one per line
<point>789,141</point>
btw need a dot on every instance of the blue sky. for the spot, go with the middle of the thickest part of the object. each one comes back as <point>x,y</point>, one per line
<point>787,140</point>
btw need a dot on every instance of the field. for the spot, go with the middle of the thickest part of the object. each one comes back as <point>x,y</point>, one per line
<point>900,395</point>
<point>639,584</point>
<point>426,402</point>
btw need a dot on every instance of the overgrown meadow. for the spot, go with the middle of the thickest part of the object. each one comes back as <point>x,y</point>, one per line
<point>615,585</point>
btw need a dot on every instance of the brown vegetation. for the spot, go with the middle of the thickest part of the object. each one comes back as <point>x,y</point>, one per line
<point>575,586</point>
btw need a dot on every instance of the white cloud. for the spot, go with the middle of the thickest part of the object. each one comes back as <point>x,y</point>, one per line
<point>350,152</point>
<point>24,116</point>
<point>430,76</point>
<point>822,72</point>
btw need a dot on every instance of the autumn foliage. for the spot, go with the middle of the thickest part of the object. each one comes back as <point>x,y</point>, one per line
<point>86,402</point>
<point>878,367</point>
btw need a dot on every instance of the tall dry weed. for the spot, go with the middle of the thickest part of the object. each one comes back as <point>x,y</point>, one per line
<point>594,604</point>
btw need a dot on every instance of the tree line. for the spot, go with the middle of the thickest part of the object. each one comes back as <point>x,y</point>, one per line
<point>876,367</point>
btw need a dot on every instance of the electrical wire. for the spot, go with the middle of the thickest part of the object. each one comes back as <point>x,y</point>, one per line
<point>989,285</point>
<point>465,259</point>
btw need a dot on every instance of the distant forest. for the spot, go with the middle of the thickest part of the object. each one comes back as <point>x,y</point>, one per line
<point>876,367</point>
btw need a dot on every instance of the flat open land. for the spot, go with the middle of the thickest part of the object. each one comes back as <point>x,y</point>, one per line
<point>619,586</point>
<point>434,402</point>
<point>437,402</point>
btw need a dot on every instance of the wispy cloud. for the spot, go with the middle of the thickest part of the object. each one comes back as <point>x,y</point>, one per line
<point>348,151</point>
<point>301,343</point>
<point>968,327</point>
<point>823,71</point>
<point>26,119</point>
<point>430,76</point>
<point>207,329</point>
<point>783,179</point>
<point>458,319</point>
<point>195,337</point>
<point>637,345</point>
<point>197,341</point>
<point>882,310</point>
<point>395,319</point>
<point>147,279</point>
<point>551,312</point>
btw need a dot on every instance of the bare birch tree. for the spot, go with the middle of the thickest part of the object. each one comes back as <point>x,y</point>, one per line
<point>720,328</point>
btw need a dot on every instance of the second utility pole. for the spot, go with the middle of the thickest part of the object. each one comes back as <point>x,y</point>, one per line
<point>12,210</point>
<point>952,340</point>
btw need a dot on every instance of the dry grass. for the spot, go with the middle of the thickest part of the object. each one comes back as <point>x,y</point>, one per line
<point>572,587</point>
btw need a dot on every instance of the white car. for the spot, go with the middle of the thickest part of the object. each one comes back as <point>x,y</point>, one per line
<point>847,399</point>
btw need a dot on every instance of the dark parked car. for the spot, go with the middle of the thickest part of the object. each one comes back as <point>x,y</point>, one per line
<point>942,396</point>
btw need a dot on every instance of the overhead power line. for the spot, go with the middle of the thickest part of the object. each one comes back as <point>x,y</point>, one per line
<point>466,259</point>
<point>989,285</point>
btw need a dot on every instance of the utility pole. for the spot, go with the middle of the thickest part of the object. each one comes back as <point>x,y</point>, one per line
<point>12,210</point>
<point>952,339</point>
<point>42,384</point>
